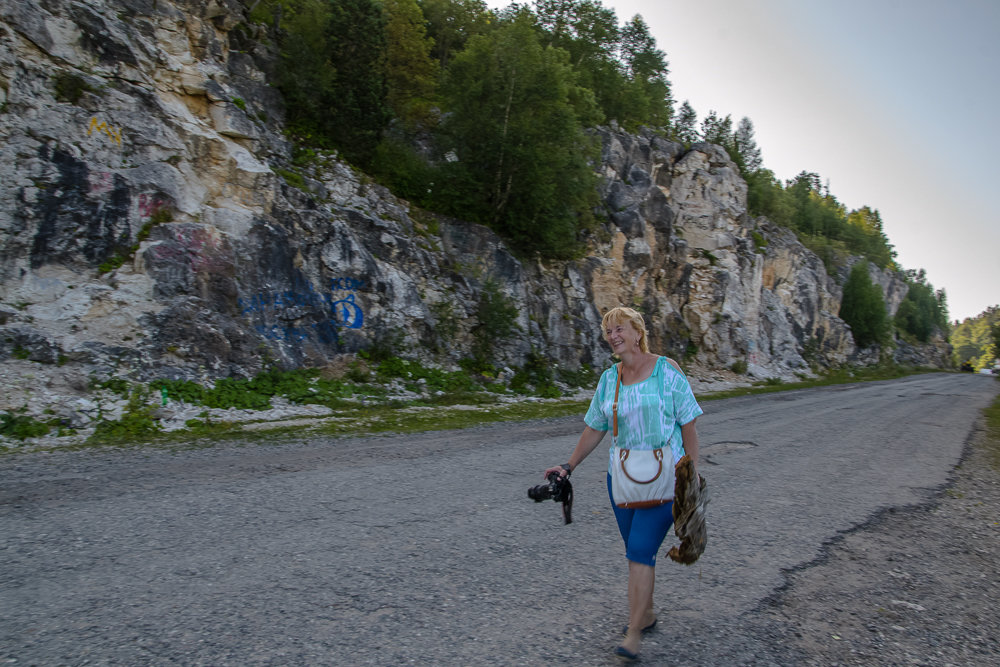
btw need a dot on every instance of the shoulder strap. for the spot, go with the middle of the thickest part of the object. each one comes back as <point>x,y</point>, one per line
<point>614,406</point>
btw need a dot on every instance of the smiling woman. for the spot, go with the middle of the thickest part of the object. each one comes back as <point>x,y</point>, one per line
<point>647,404</point>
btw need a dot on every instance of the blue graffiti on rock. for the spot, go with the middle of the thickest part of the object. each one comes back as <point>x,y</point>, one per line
<point>347,313</point>
<point>302,313</point>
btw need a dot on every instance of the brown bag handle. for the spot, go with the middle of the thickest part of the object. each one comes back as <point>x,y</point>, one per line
<point>657,454</point>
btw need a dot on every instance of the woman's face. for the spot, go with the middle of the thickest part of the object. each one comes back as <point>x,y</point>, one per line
<point>621,336</point>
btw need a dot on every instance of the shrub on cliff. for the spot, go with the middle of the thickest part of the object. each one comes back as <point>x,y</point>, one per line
<point>863,308</point>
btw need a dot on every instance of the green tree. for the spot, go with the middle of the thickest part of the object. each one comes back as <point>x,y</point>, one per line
<point>451,23</point>
<point>989,359</point>
<point>496,317</point>
<point>648,99</point>
<point>767,197</point>
<point>920,313</point>
<point>863,308</point>
<point>718,131</point>
<point>589,32</point>
<point>304,74</point>
<point>358,109</point>
<point>974,339</point>
<point>411,73</point>
<point>685,127</point>
<point>868,237</point>
<point>747,151</point>
<point>514,126</point>
<point>331,71</point>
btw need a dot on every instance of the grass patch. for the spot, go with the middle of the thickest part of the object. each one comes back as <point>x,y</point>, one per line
<point>293,178</point>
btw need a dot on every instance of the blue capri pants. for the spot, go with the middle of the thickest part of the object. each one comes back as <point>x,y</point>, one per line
<point>643,530</point>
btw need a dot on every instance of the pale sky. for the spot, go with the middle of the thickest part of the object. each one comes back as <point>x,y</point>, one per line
<point>893,102</point>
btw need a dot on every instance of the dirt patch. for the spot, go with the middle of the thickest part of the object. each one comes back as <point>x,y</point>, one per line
<point>917,586</point>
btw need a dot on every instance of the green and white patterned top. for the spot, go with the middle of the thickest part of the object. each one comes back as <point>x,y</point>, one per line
<point>650,413</point>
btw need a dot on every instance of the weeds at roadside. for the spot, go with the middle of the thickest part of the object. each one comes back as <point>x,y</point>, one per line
<point>20,426</point>
<point>361,406</point>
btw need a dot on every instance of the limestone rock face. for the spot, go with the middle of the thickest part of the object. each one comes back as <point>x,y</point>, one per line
<point>148,228</point>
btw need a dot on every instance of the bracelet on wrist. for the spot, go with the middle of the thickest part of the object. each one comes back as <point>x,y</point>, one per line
<point>567,468</point>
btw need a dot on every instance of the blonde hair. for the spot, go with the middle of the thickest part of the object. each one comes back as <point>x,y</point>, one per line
<point>622,314</point>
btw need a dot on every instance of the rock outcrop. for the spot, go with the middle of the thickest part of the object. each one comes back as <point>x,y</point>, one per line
<point>152,225</point>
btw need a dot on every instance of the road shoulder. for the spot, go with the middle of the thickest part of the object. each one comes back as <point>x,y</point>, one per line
<point>919,585</point>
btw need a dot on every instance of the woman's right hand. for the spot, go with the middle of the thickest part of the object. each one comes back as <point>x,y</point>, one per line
<point>559,469</point>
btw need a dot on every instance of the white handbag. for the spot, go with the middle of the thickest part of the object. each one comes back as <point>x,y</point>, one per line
<point>639,479</point>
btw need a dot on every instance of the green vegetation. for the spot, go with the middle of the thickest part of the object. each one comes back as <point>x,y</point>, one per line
<point>293,178</point>
<point>822,223</point>
<point>505,97</point>
<point>923,311</point>
<point>21,426</point>
<point>522,159</point>
<point>117,385</point>
<point>298,386</point>
<point>976,340</point>
<point>535,378</point>
<point>117,260</point>
<point>366,410</point>
<point>136,423</point>
<point>332,71</point>
<point>496,315</point>
<point>863,308</point>
<point>70,87</point>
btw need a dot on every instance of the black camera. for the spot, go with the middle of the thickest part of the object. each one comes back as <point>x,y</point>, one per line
<point>558,489</point>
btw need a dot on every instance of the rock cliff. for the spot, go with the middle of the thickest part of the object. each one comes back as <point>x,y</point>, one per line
<point>153,225</point>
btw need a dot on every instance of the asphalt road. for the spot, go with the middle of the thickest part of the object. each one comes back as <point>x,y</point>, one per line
<point>426,550</point>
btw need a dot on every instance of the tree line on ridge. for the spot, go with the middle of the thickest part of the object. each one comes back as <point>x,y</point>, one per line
<point>485,115</point>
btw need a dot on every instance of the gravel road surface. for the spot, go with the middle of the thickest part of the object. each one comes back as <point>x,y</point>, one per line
<point>832,512</point>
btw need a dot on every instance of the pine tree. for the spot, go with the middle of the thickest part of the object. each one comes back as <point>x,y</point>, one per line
<point>718,131</point>
<point>746,148</point>
<point>647,94</point>
<point>685,127</point>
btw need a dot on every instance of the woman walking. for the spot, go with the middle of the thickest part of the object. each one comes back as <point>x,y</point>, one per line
<point>647,402</point>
